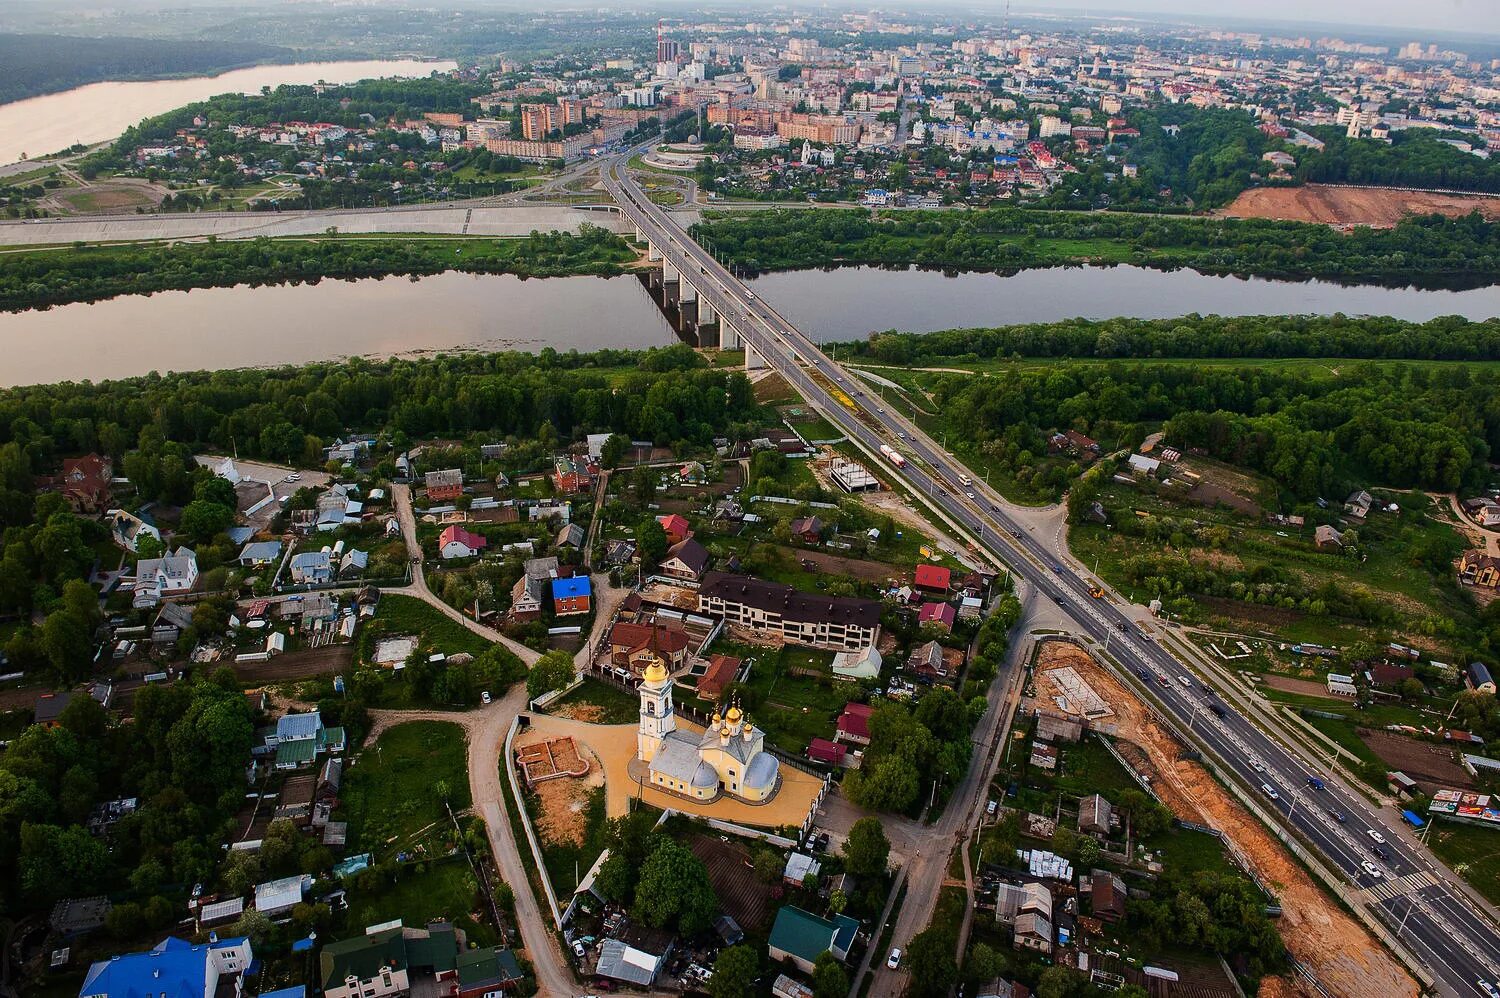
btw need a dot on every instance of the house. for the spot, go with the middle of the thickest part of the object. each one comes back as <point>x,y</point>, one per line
<point>1095,815</point>
<point>1477,678</point>
<point>1476,568</point>
<point>1326,538</point>
<point>1358,504</point>
<point>802,937</point>
<point>174,967</point>
<point>1141,465</point>
<point>854,724</point>
<point>686,560</point>
<point>531,588</point>
<point>798,866</point>
<point>786,987</point>
<point>1043,756</point>
<point>127,529</point>
<point>374,965</point>
<point>1108,895</point>
<point>171,621</point>
<point>484,973</point>
<point>570,475</point>
<point>258,554</point>
<point>1053,726</point>
<point>174,572</point>
<point>938,614</point>
<point>49,708</point>
<point>862,664</point>
<point>444,486</point>
<point>722,669</point>
<point>353,563</point>
<point>456,542</point>
<point>1341,685</point>
<point>676,527</point>
<point>827,752</point>
<point>1483,511</point>
<point>693,473</point>
<point>637,958</point>
<point>570,536</point>
<point>279,897</point>
<point>807,529</point>
<point>619,552</point>
<point>326,793</point>
<point>933,578</point>
<point>633,646</point>
<point>571,595</point>
<point>838,623</point>
<point>311,567</point>
<point>85,482</point>
<point>299,737</point>
<point>1390,673</point>
<point>1031,924</point>
<point>927,660</point>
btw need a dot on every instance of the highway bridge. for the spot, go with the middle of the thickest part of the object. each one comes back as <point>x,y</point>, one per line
<point>1412,904</point>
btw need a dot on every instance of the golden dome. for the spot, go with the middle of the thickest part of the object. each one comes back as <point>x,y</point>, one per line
<point>656,672</point>
<point>734,714</point>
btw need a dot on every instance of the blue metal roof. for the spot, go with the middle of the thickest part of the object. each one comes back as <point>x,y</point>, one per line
<point>175,968</point>
<point>578,585</point>
<point>295,727</point>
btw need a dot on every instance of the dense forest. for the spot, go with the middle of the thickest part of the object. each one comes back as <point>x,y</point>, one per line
<point>1011,238</point>
<point>45,64</point>
<point>1258,336</point>
<point>91,273</point>
<point>1414,158</point>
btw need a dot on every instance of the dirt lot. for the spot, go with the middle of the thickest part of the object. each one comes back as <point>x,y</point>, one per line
<point>1419,760</point>
<point>745,899</point>
<point>1345,957</point>
<point>301,664</point>
<point>563,803</point>
<point>848,568</point>
<point>1350,206</point>
<point>1302,687</point>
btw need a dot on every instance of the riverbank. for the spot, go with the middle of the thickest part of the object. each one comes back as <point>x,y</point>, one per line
<point>85,273</point>
<point>1427,252</point>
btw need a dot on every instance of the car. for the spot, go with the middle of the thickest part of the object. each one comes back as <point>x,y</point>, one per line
<point>1269,791</point>
<point>1382,853</point>
<point>1338,816</point>
<point>294,477</point>
<point>894,960</point>
<point>1371,869</point>
<point>880,410</point>
<point>1372,833</point>
<point>579,950</point>
<point>749,294</point>
<point>1257,765</point>
<point>1315,782</point>
<point>486,698</point>
<point>1185,681</point>
<point>197,891</point>
<point>969,494</point>
<point>1488,988</point>
<point>901,434</point>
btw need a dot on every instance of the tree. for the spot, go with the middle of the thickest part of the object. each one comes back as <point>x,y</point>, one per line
<point>985,963</point>
<point>203,520</point>
<point>867,850</point>
<point>67,645</point>
<point>1058,982</point>
<point>734,973</point>
<point>1411,688</point>
<point>553,671</point>
<point>829,978</point>
<point>212,488</point>
<point>674,890</point>
<point>929,960</point>
<point>650,541</point>
<point>613,450</point>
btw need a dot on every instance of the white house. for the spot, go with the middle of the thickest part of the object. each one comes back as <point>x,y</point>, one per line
<point>174,572</point>
<point>862,664</point>
<point>311,566</point>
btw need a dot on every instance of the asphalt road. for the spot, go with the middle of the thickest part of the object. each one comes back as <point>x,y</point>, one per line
<point>1442,927</point>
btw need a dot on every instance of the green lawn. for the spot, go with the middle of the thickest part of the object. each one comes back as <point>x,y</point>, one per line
<point>1474,852</point>
<point>390,792</point>
<point>408,615</point>
<point>1187,852</point>
<point>568,862</point>
<point>1088,768</point>
<point>790,709</point>
<point>423,893</point>
<point>617,706</point>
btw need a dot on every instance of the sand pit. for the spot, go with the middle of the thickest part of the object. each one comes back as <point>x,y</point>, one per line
<point>1354,205</point>
<point>1340,951</point>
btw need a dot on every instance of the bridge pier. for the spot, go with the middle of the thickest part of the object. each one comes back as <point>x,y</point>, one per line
<point>653,254</point>
<point>706,314</point>
<point>688,292</point>
<point>753,360</point>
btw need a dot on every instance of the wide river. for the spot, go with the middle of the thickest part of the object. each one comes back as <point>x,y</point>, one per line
<point>40,126</point>
<point>294,324</point>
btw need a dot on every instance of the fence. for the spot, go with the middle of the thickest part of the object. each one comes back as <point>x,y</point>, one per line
<point>531,839</point>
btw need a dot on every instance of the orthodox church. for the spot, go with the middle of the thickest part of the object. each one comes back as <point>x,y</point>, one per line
<point>728,758</point>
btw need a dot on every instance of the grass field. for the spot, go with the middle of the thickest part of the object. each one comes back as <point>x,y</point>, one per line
<point>390,793</point>
<point>409,615</point>
<point>615,705</point>
<point>568,862</point>
<point>444,890</point>
<point>1474,852</point>
<point>790,709</point>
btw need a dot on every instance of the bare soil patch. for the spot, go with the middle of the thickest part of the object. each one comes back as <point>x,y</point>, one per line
<point>588,713</point>
<point>562,803</point>
<point>305,663</point>
<point>1301,687</point>
<point>1354,206</point>
<point>1343,955</point>
<point>849,568</point>
<point>1419,760</point>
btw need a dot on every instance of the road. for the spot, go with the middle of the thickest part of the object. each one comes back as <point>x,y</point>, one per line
<point>1441,926</point>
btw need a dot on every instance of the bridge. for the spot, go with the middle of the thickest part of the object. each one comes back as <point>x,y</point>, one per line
<point>1438,929</point>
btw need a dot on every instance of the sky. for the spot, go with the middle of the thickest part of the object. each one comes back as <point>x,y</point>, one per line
<point>1433,15</point>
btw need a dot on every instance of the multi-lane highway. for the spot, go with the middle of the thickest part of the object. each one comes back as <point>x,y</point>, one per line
<point>1396,879</point>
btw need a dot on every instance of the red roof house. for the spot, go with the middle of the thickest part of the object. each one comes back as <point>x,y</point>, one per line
<point>934,578</point>
<point>85,482</point>
<point>941,614</point>
<point>854,724</point>
<point>456,542</point>
<point>824,751</point>
<point>676,527</point>
<point>721,672</point>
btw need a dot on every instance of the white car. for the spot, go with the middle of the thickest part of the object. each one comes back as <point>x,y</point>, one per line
<point>486,698</point>
<point>1371,869</point>
<point>1372,833</point>
<point>1488,988</point>
<point>894,960</point>
<point>1257,765</point>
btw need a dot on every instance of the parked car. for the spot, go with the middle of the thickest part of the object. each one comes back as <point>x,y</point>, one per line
<point>486,698</point>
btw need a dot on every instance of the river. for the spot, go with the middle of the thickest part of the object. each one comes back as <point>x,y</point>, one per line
<point>295,324</point>
<point>97,112</point>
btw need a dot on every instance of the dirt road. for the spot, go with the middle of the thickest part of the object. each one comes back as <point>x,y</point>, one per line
<point>1341,952</point>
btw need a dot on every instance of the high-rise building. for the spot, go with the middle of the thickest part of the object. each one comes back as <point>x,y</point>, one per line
<point>667,49</point>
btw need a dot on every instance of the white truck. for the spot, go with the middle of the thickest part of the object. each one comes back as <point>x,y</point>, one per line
<point>893,455</point>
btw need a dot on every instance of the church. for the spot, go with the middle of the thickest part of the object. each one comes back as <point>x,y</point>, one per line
<point>728,758</point>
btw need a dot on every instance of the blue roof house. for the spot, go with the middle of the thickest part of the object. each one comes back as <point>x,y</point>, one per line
<point>174,968</point>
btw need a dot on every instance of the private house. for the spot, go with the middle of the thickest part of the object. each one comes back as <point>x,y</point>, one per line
<point>300,737</point>
<point>172,573</point>
<point>1476,568</point>
<point>636,960</point>
<point>127,529</point>
<point>1389,674</point>
<point>1326,538</point>
<point>570,536</point>
<point>570,475</point>
<point>572,595</point>
<point>926,660</point>
<point>1142,466</point>
<point>854,724</point>
<point>311,568</point>
<point>827,752</point>
<point>933,579</point>
<point>1483,511</point>
<point>85,482</point>
<point>326,794</point>
<point>853,665</point>
<point>1477,678</point>
<point>633,646</point>
<point>808,530</point>
<point>486,973</point>
<point>1095,815</point>
<point>1108,895</point>
<point>49,707</point>
<point>353,563</point>
<point>686,560</point>
<point>369,966</point>
<point>1027,908</point>
<point>456,542</point>
<point>693,473</point>
<point>174,967</point>
<point>716,678</point>
<point>802,937</point>
<point>444,486</point>
<point>531,588</point>
<point>275,898</point>
<point>1358,504</point>
<point>940,615</point>
<point>258,554</point>
<point>838,623</point>
<point>1054,726</point>
<point>676,527</point>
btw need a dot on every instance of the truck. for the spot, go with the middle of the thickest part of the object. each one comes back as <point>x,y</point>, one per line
<point>893,455</point>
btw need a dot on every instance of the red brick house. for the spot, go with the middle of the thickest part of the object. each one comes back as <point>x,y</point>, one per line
<point>85,482</point>
<point>854,724</point>
<point>444,486</point>
<point>676,527</point>
<point>571,475</point>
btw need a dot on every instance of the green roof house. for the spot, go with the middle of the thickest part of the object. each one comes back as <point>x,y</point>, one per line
<point>803,937</point>
<point>483,972</point>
